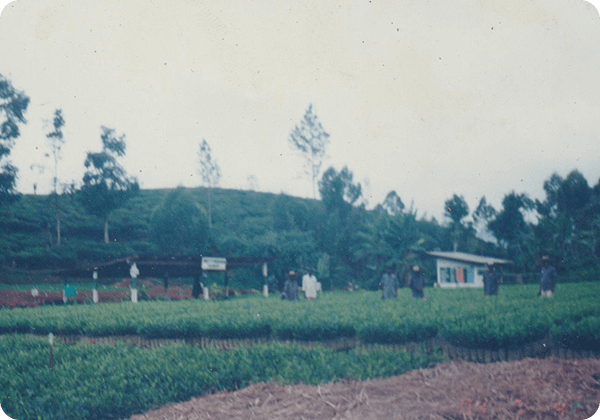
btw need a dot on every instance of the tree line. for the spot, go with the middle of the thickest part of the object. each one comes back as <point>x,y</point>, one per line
<point>337,235</point>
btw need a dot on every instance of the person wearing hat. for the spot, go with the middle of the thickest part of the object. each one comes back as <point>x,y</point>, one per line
<point>417,282</point>
<point>389,284</point>
<point>290,288</point>
<point>490,281</point>
<point>547,278</point>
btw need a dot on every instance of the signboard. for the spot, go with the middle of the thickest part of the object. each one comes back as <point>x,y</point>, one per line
<point>70,291</point>
<point>214,264</point>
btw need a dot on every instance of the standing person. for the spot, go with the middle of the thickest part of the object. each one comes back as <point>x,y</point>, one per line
<point>547,278</point>
<point>389,284</point>
<point>491,279</point>
<point>309,285</point>
<point>166,281</point>
<point>290,288</point>
<point>196,287</point>
<point>417,283</point>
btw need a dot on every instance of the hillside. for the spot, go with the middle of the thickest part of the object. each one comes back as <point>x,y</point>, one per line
<point>343,242</point>
<point>244,223</point>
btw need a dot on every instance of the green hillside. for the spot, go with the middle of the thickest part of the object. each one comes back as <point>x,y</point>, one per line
<point>297,232</point>
<point>243,225</point>
<point>341,240</point>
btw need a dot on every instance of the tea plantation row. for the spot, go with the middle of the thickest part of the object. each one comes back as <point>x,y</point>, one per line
<point>461,317</point>
<point>103,382</point>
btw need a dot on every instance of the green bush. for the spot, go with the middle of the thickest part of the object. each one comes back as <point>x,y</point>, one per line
<point>115,382</point>
<point>583,335</point>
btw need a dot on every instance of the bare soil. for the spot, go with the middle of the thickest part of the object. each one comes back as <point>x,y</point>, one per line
<point>550,388</point>
<point>15,299</point>
<point>152,289</point>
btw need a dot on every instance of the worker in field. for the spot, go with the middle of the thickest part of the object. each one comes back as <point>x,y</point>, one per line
<point>547,278</point>
<point>389,284</point>
<point>417,283</point>
<point>491,280</point>
<point>310,285</point>
<point>290,288</point>
<point>166,281</point>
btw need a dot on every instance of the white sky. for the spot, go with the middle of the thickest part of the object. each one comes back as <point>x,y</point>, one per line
<point>473,97</point>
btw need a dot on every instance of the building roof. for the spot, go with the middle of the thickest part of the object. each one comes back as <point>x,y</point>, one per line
<point>470,258</point>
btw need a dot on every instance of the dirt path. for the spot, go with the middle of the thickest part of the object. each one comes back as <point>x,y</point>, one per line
<point>527,389</point>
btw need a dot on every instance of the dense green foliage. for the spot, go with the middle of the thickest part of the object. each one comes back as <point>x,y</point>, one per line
<point>179,226</point>
<point>114,382</point>
<point>337,236</point>
<point>106,186</point>
<point>462,317</point>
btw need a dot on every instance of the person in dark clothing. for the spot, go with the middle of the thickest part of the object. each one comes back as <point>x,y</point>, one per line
<point>166,281</point>
<point>491,279</point>
<point>290,288</point>
<point>196,287</point>
<point>417,283</point>
<point>547,278</point>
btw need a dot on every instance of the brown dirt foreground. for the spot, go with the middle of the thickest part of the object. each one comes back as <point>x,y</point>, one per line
<point>527,389</point>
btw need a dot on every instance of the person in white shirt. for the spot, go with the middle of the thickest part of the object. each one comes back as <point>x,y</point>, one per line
<point>310,285</point>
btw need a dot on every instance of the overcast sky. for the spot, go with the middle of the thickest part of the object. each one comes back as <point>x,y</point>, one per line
<point>427,98</point>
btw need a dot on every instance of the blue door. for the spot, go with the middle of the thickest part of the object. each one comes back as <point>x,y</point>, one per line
<point>469,275</point>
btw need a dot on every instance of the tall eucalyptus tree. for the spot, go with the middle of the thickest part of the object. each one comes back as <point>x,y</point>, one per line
<point>106,185</point>
<point>13,105</point>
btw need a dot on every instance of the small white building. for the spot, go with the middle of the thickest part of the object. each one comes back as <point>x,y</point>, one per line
<point>459,269</point>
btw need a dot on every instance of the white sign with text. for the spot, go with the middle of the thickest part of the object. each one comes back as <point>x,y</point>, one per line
<point>214,264</point>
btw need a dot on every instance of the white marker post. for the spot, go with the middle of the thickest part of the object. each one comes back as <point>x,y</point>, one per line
<point>205,293</point>
<point>265,285</point>
<point>51,360</point>
<point>95,289</point>
<point>134,272</point>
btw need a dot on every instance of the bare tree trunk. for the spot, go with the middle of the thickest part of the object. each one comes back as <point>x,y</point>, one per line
<point>50,238</point>
<point>57,227</point>
<point>456,235</point>
<point>209,210</point>
<point>595,245</point>
<point>106,238</point>
<point>56,203</point>
<point>57,212</point>
<point>314,175</point>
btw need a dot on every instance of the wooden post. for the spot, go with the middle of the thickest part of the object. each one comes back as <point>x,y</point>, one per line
<point>226,285</point>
